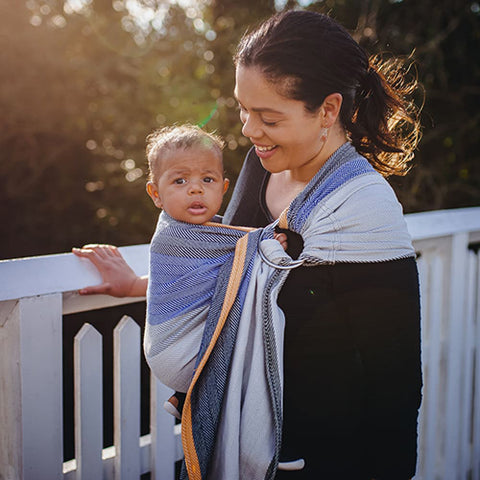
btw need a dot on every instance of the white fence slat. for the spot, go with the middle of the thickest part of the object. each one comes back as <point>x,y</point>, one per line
<point>431,281</point>
<point>126,378</point>
<point>456,324</point>
<point>468,368</point>
<point>88,403</point>
<point>163,454</point>
<point>476,399</point>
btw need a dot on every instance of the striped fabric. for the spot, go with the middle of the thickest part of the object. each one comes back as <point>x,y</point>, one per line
<point>213,325</point>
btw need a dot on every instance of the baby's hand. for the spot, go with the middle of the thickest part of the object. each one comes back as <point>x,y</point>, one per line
<point>119,280</point>
<point>282,238</point>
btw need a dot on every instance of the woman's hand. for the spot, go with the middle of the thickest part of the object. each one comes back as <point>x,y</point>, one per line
<point>119,280</point>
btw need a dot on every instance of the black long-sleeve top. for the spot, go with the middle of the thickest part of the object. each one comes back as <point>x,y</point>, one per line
<point>352,368</point>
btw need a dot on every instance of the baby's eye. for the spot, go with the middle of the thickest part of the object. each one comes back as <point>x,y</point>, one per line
<point>208,180</point>
<point>179,181</point>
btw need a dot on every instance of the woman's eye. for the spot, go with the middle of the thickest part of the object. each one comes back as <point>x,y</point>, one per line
<point>179,181</point>
<point>269,124</point>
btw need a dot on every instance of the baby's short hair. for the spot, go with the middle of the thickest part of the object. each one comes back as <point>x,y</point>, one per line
<point>176,137</point>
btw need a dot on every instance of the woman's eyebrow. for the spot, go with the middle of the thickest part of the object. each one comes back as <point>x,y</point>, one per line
<point>260,109</point>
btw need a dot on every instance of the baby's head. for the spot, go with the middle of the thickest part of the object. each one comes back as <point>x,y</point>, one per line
<point>186,172</point>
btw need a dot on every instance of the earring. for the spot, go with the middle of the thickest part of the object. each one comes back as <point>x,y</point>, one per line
<point>324,134</point>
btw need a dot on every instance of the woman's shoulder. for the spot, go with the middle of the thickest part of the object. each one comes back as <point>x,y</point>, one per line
<point>351,180</point>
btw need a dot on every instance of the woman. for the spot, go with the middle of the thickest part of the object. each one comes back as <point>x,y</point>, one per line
<point>314,107</point>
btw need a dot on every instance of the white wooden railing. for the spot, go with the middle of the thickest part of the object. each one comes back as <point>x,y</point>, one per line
<point>36,292</point>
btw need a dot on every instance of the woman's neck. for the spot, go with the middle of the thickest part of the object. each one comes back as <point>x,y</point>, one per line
<point>281,190</point>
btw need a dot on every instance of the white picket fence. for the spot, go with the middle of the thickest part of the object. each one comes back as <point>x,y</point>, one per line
<point>35,292</point>
<point>156,452</point>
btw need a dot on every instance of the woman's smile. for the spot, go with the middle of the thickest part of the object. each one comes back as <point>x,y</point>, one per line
<point>265,152</point>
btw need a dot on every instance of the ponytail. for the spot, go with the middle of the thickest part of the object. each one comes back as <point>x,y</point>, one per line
<point>384,125</point>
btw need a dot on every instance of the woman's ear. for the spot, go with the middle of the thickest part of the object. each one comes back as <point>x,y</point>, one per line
<point>226,183</point>
<point>330,109</point>
<point>154,195</point>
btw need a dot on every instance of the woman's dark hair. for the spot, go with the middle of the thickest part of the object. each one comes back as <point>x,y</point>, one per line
<point>310,56</point>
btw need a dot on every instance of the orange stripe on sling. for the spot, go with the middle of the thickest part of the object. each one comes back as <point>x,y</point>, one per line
<point>282,219</point>
<point>231,227</point>
<point>191,457</point>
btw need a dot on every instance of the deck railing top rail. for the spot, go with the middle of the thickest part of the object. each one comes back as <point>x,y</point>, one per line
<point>31,276</point>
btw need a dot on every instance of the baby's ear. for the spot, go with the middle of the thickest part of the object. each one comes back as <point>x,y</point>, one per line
<point>226,183</point>
<point>154,195</point>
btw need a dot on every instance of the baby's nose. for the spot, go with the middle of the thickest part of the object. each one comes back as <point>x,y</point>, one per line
<point>196,187</point>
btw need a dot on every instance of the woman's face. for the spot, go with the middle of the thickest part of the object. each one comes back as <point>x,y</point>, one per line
<point>286,136</point>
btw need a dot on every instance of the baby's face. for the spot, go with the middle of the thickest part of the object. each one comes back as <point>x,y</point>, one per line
<point>190,185</point>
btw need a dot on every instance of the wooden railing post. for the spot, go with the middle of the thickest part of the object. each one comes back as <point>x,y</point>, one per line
<point>31,443</point>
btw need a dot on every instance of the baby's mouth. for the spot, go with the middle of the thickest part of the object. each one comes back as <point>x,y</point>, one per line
<point>197,208</point>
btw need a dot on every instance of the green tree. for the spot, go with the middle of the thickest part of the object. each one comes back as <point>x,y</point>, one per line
<point>443,38</point>
<point>83,83</point>
<point>79,97</point>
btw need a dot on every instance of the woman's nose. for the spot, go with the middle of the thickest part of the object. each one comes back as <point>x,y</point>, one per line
<point>251,128</point>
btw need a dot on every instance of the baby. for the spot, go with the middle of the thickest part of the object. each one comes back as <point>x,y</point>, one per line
<point>187,181</point>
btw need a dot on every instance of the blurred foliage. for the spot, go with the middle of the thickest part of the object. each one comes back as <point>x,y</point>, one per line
<point>84,81</point>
